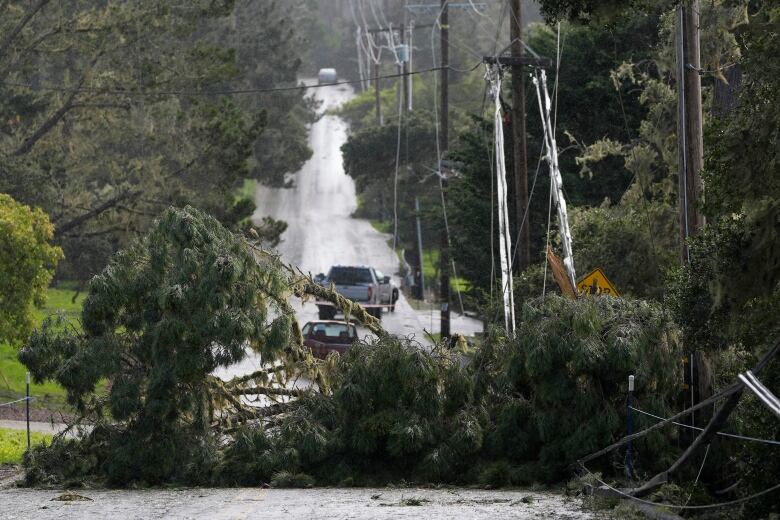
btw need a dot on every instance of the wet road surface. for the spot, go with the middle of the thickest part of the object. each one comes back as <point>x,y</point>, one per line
<point>321,231</point>
<point>319,503</point>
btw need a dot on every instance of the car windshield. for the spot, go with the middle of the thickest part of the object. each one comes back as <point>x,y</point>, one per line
<point>334,330</point>
<point>350,275</point>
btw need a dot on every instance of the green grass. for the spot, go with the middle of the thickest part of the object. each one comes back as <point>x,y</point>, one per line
<point>12,372</point>
<point>431,272</point>
<point>13,444</point>
<point>247,190</point>
<point>382,226</point>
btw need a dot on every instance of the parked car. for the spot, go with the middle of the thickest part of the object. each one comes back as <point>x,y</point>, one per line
<point>326,336</point>
<point>327,76</point>
<point>361,284</point>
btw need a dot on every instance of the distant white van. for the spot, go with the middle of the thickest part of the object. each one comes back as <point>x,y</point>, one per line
<point>325,76</point>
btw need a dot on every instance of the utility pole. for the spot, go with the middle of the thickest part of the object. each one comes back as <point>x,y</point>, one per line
<point>420,280</point>
<point>690,144</point>
<point>404,66</point>
<point>409,68</point>
<point>518,138</point>
<point>689,122</point>
<point>444,256</point>
<point>377,98</point>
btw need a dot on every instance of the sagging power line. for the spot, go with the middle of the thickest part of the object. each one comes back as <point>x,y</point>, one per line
<point>222,92</point>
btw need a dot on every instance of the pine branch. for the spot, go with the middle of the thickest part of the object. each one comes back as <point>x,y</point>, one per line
<point>264,373</point>
<point>266,390</point>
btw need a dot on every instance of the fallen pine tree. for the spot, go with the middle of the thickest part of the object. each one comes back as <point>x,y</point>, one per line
<point>191,297</point>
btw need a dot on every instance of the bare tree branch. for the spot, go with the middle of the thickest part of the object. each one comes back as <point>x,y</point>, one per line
<point>123,106</point>
<point>94,212</point>
<point>6,42</point>
<point>57,116</point>
<point>44,129</point>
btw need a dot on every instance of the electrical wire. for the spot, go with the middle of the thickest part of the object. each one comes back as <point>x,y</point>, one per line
<point>223,92</point>
<point>491,152</point>
<point>397,162</point>
<point>724,434</point>
<point>18,401</point>
<point>547,244</point>
<point>672,506</point>
<point>474,8</point>
<point>701,468</point>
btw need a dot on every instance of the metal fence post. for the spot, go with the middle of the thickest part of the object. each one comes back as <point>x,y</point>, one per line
<point>27,402</point>
<point>630,429</point>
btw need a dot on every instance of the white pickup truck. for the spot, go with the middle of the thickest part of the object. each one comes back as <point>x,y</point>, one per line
<point>361,284</point>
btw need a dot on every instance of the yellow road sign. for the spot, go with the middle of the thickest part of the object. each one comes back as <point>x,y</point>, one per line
<point>596,282</point>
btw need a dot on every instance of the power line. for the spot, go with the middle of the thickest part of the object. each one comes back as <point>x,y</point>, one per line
<point>224,92</point>
<point>724,434</point>
<point>672,506</point>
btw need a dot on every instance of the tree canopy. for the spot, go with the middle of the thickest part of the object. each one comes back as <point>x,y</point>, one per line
<point>131,118</point>
<point>27,263</point>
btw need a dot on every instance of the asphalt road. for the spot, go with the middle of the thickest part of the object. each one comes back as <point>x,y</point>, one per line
<point>321,231</point>
<point>319,503</point>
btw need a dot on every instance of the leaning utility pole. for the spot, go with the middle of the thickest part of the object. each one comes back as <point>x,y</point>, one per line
<point>689,122</point>
<point>518,138</point>
<point>444,256</point>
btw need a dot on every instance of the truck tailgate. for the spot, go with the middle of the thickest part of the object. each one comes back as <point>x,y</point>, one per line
<point>357,293</point>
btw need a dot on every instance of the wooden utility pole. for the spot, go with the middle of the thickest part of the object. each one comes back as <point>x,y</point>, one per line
<point>444,256</point>
<point>518,138</point>
<point>377,98</point>
<point>690,154</point>
<point>689,122</point>
<point>405,68</point>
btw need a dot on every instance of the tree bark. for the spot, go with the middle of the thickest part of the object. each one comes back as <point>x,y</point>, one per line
<point>689,128</point>
<point>46,127</point>
<point>59,231</point>
<point>518,140</point>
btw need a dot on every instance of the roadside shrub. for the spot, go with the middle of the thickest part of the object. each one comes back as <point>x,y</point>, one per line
<point>63,461</point>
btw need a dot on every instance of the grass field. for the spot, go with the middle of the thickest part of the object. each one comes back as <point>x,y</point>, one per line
<point>247,190</point>
<point>13,443</point>
<point>431,271</point>
<point>382,226</point>
<point>12,372</point>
